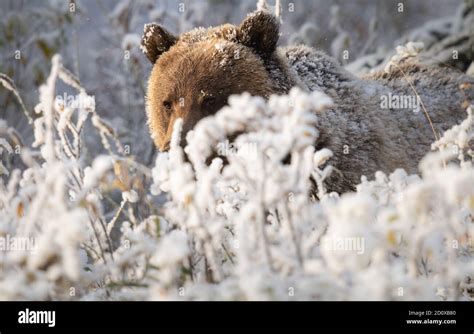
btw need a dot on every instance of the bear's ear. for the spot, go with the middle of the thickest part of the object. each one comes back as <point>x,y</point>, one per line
<point>155,41</point>
<point>260,31</point>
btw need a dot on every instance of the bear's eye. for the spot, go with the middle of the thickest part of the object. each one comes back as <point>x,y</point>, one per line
<point>167,106</point>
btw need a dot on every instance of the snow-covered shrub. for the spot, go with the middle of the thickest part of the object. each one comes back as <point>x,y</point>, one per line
<point>30,34</point>
<point>55,241</point>
<point>398,237</point>
<point>241,226</point>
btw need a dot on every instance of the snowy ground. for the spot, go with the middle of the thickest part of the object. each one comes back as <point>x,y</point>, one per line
<point>89,211</point>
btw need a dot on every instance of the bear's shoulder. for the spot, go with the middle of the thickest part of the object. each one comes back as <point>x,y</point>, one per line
<point>315,69</point>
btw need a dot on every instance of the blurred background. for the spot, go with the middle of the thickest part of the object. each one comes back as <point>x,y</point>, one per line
<point>99,42</point>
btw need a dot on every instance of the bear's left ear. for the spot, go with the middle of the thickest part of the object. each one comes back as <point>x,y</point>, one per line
<point>155,41</point>
<point>260,31</point>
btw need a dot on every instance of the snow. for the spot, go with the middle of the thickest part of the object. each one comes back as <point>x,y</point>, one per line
<point>93,174</point>
<point>130,196</point>
<point>411,49</point>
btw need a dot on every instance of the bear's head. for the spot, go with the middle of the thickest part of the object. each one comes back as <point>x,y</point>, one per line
<point>194,74</point>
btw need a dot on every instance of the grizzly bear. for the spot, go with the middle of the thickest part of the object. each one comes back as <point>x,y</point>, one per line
<point>372,126</point>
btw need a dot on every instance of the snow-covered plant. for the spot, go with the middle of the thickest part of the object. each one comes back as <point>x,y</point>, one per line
<point>53,227</point>
<point>239,213</point>
<point>253,229</point>
<point>411,49</point>
<point>30,34</point>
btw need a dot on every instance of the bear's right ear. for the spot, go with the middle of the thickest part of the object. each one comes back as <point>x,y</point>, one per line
<point>155,41</point>
<point>260,31</point>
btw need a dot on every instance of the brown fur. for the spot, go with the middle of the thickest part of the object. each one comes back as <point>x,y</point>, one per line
<point>198,71</point>
<point>192,80</point>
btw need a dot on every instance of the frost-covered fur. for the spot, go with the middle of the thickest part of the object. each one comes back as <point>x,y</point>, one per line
<point>363,134</point>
